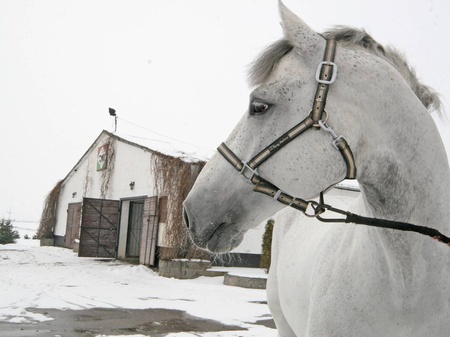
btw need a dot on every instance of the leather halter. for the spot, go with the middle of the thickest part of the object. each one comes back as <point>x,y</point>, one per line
<point>316,120</point>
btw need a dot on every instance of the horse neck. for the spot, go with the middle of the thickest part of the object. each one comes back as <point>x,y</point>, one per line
<point>407,177</point>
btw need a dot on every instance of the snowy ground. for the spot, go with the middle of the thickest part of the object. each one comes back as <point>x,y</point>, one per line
<point>51,277</point>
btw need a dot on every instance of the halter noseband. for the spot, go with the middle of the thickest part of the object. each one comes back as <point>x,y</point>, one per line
<point>317,119</point>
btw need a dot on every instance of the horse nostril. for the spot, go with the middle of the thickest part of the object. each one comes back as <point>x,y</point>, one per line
<point>186,218</point>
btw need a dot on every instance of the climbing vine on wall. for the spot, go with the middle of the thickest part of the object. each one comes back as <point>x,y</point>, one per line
<point>106,173</point>
<point>87,178</point>
<point>49,213</point>
<point>174,178</point>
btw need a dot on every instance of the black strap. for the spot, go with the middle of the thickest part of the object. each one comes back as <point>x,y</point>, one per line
<point>398,225</point>
<point>380,223</point>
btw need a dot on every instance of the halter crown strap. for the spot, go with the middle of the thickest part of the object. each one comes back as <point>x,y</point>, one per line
<point>325,75</point>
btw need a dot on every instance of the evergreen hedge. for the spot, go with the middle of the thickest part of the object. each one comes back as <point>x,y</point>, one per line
<point>7,232</point>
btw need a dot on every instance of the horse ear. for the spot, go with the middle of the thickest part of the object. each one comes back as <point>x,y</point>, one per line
<point>298,32</point>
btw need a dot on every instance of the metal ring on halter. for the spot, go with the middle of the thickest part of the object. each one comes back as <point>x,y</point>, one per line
<point>314,205</point>
<point>324,119</point>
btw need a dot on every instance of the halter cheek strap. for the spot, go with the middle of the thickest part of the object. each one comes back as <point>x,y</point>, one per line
<point>317,119</point>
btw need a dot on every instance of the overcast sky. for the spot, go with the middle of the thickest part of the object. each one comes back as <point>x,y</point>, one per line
<point>174,67</point>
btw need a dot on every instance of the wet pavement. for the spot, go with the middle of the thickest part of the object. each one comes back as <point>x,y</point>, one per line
<point>93,322</point>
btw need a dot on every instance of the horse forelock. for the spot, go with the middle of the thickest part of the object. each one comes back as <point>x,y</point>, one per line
<point>265,63</point>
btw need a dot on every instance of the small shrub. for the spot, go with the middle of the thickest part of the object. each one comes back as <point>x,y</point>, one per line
<point>7,232</point>
<point>267,246</point>
<point>26,237</point>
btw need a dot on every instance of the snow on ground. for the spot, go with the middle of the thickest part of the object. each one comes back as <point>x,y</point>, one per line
<point>52,277</point>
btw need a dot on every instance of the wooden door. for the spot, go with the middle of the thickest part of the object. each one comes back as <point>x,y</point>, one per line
<point>99,223</point>
<point>72,224</point>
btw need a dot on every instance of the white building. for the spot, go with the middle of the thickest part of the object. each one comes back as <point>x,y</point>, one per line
<point>113,203</point>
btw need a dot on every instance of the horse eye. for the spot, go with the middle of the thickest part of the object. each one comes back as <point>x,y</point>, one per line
<point>258,108</point>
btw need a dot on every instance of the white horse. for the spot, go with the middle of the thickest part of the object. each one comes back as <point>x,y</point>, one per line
<point>337,279</point>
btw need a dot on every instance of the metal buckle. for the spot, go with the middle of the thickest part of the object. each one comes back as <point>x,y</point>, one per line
<point>319,70</point>
<point>253,171</point>
<point>337,140</point>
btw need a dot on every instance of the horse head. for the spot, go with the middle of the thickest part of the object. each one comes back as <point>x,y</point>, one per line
<point>222,205</point>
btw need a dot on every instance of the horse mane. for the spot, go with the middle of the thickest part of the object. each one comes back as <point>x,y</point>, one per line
<point>263,66</point>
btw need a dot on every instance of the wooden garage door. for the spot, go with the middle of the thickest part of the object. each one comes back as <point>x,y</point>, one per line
<point>99,223</point>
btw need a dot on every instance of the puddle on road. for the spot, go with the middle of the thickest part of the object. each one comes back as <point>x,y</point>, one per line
<point>92,322</point>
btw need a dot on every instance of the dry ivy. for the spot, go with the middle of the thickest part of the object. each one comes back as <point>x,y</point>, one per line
<point>174,178</point>
<point>49,213</point>
<point>107,172</point>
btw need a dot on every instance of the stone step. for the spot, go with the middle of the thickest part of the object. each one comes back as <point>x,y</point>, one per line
<point>183,268</point>
<point>245,281</point>
<point>215,273</point>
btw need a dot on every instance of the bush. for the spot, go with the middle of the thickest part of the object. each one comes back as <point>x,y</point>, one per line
<point>7,233</point>
<point>48,217</point>
<point>267,246</point>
